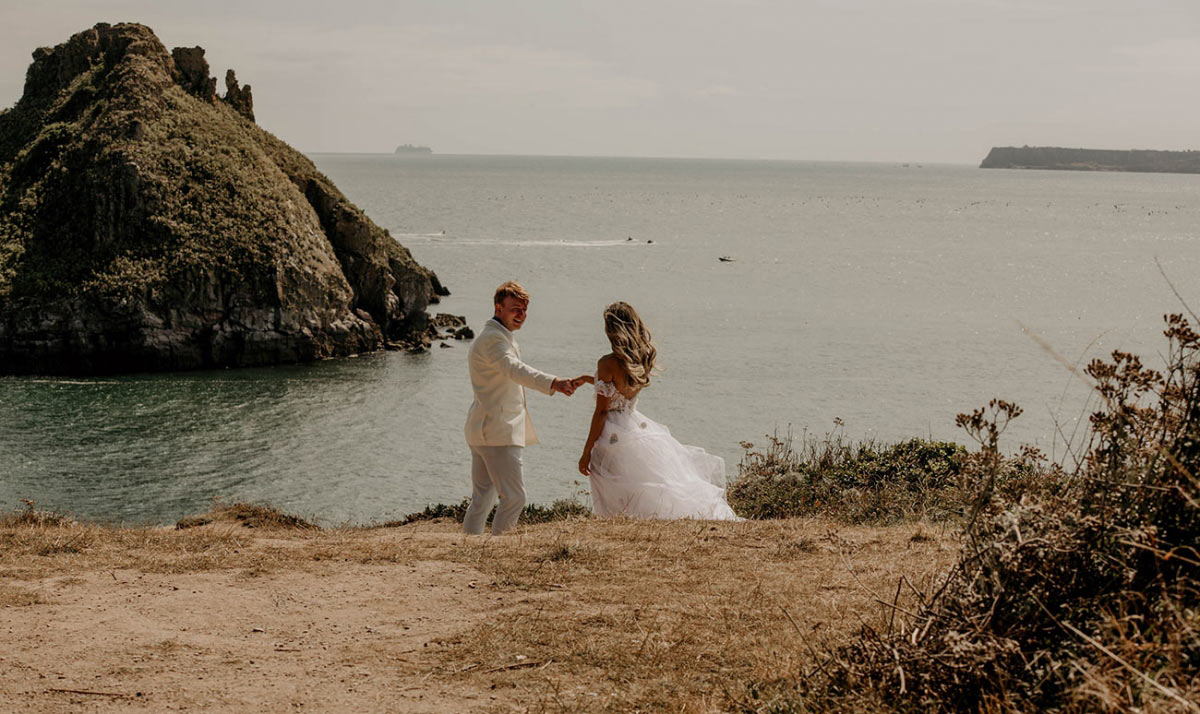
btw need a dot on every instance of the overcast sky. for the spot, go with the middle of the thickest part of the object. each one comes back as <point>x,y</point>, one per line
<point>856,80</point>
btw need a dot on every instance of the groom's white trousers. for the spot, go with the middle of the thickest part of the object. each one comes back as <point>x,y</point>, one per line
<point>495,474</point>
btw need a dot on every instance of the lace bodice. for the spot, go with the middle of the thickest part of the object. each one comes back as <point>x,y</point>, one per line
<point>617,402</point>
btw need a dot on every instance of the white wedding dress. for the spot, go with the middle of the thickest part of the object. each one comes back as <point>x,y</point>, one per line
<point>639,470</point>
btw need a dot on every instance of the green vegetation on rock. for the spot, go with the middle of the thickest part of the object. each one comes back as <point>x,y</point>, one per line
<point>1062,159</point>
<point>148,223</point>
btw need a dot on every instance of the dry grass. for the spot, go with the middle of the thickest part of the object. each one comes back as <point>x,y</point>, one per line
<point>31,516</point>
<point>581,615</point>
<point>34,544</point>
<point>250,515</point>
<point>12,596</point>
<point>627,616</point>
<point>1078,588</point>
<point>532,513</point>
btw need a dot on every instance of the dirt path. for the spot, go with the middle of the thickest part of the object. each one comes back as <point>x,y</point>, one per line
<point>346,637</point>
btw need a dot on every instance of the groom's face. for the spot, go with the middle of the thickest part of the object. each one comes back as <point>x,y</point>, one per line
<point>512,312</point>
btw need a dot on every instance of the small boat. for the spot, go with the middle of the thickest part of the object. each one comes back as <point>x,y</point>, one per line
<point>726,259</point>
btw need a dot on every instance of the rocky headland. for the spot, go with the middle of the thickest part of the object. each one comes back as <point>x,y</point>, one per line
<point>1057,158</point>
<point>147,223</point>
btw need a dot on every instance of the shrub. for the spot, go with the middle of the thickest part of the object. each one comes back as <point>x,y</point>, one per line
<point>32,517</point>
<point>855,483</point>
<point>561,509</point>
<point>1078,593</point>
<point>250,515</point>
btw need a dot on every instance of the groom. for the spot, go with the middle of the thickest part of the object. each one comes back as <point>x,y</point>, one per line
<point>498,425</point>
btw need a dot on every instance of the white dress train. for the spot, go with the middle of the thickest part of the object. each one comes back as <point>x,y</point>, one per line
<point>639,470</point>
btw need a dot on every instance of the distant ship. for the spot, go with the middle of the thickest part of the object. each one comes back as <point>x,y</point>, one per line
<point>410,149</point>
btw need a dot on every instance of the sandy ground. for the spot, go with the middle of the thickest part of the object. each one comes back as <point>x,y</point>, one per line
<point>573,616</point>
<point>346,639</point>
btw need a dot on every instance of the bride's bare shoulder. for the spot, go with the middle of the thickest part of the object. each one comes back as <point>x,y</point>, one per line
<point>608,367</point>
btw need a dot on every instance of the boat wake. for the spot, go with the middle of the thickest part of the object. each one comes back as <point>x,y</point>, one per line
<point>442,238</point>
<point>87,382</point>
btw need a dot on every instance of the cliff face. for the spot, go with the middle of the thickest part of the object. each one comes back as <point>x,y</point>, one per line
<point>147,223</point>
<point>1053,157</point>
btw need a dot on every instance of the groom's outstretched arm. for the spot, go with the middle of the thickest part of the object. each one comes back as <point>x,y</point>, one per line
<point>501,355</point>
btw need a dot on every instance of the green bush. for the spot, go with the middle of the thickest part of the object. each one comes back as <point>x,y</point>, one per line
<point>1075,591</point>
<point>561,509</point>
<point>854,483</point>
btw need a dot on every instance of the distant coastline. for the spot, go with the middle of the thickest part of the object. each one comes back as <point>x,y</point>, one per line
<point>410,149</point>
<point>1061,159</point>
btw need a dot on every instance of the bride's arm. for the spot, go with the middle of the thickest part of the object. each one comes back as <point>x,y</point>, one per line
<point>603,370</point>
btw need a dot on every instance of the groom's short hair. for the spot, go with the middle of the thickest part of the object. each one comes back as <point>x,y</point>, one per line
<point>511,289</point>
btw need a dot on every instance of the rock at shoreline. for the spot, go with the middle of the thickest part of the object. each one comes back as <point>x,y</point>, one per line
<point>455,326</point>
<point>146,223</point>
<point>443,319</point>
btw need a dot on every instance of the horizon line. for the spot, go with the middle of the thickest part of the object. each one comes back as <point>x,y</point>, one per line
<point>422,157</point>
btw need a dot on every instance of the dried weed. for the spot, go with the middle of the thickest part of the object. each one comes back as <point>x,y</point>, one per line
<point>11,596</point>
<point>665,615</point>
<point>1075,591</point>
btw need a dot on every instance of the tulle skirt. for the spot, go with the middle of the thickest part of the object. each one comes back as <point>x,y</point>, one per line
<point>639,470</point>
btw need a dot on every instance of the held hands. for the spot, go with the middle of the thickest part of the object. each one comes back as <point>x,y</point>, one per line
<point>568,386</point>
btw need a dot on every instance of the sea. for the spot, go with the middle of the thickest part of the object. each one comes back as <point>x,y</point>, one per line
<point>852,300</point>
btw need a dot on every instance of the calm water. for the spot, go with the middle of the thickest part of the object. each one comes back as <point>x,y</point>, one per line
<point>890,297</point>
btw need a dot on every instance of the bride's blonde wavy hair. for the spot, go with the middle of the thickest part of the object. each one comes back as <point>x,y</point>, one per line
<point>631,342</point>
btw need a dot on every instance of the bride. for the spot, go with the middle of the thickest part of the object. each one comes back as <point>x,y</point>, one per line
<point>636,468</point>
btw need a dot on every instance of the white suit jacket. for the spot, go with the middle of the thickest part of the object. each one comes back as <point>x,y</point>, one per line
<point>498,416</point>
